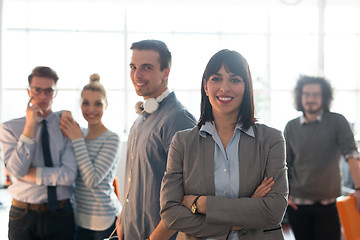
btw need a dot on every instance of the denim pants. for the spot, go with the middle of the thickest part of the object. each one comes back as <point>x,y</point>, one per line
<point>26,224</point>
<point>87,234</point>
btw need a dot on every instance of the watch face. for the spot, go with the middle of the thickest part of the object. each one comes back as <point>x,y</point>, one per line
<point>193,208</point>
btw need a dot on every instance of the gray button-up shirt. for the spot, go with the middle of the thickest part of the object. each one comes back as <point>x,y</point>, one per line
<point>147,148</point>
<point>21,152</point>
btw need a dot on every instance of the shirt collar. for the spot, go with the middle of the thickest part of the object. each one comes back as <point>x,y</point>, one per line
<point>48,118</point>
<point>209,127</point>
<point>163,95</point>
<point>303,119</point>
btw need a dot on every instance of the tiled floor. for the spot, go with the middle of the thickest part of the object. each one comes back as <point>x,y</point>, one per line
<point>5,200</point>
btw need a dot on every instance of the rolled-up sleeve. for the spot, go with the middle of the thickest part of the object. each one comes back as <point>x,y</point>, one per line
<point>17,151</point>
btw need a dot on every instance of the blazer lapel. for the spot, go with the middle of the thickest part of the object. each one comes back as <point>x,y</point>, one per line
<point>246,155</point>
<point>208,145</point>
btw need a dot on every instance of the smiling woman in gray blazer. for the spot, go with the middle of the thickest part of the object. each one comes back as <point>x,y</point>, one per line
<point>216,169</point>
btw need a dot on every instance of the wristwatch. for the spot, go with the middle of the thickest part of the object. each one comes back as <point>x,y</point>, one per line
<point>193,205</point>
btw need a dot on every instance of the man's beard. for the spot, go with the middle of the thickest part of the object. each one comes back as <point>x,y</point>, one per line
<point>312,110</point>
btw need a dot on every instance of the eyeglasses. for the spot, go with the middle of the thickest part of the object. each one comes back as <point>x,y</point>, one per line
<point>38,91</point>
<point>314,95</point>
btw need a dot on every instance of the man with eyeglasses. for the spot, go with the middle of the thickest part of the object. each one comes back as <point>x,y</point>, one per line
<point>315,142</point>
<point>42,165</point>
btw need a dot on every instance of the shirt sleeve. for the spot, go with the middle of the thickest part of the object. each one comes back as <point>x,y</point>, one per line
<point>345,138</point>
<point>63,175</point>
<point>16,150</point>
<point>94,171</point>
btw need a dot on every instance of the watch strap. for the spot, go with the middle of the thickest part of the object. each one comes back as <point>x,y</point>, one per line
<point>193,205</point>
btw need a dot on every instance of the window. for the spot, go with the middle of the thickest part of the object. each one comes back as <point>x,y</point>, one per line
<point>78,38</point>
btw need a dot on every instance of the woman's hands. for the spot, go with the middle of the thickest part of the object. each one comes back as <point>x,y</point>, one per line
<point>263,188</point>
<point>260,192</point>
<point>69,127</point>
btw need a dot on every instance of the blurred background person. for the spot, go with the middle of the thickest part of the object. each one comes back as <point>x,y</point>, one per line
<point>315,142</point>
<point>97,153</point>
<point>41,163</point>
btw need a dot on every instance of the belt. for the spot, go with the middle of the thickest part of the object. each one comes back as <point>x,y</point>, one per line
<point>39,207</point>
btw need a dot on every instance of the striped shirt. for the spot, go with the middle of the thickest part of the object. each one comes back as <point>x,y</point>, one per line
<point>96,204</point>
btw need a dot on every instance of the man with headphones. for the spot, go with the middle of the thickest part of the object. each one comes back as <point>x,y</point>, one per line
<point>160,117</point>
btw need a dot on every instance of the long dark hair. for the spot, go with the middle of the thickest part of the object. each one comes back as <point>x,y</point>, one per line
<point>235,63</point>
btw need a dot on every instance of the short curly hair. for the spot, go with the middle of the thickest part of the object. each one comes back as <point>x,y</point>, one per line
<point>327,91</point>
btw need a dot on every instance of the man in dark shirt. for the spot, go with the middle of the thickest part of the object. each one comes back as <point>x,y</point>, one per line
<point>315,142</point>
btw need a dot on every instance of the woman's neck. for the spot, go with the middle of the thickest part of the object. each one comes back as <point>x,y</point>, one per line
<point>225,128</point>
<point>95,130</point>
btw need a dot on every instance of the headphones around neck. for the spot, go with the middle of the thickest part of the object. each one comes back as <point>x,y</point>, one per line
<point>150,105</point>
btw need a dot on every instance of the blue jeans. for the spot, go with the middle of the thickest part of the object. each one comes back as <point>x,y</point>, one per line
<point>26,224</point>
<point>87,234</point>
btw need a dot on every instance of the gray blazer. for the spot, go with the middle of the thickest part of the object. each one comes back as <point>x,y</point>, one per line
<point>190,170</point>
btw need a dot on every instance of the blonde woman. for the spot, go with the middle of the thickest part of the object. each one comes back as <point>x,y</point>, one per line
<point>96,149</point>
